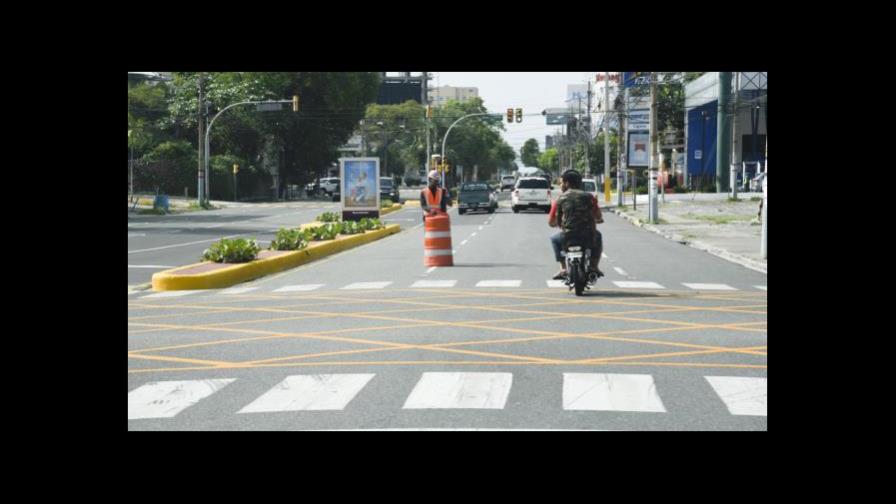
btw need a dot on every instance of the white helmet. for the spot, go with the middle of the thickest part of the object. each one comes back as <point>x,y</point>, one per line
<point>434,175</point>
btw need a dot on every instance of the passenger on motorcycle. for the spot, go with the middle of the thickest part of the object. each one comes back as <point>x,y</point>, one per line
<point>576,212</point>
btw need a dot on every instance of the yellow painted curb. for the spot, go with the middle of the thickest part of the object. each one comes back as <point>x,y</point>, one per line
<point>393,208</point>
<point>237,273</point>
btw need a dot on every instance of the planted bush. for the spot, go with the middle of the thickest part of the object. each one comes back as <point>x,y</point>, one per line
<point>385,203</point>
<point>238,250</point>
<point>368,223</point>
<point>289,239</point>
<point>328,217</point>
<point>351,227</point>
<point>325,232</point>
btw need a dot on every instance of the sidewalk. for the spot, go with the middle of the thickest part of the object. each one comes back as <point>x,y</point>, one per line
<point>706,221</point>
<point>179,204</point>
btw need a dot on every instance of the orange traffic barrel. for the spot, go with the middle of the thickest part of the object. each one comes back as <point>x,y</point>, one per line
<point>437,241</point>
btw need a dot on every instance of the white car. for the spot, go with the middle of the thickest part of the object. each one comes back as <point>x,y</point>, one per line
<point>329,184</point>
<point>507,182</point>
<point>531,193</point>
<point>590,186</point>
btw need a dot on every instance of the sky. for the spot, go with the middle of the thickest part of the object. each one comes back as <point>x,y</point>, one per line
<point>531,91</point>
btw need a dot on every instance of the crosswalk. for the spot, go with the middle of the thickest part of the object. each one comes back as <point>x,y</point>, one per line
<point>446,284</point>
<point>742,396</point>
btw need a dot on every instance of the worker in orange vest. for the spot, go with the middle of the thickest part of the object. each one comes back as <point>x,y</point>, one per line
<point>433,198</point>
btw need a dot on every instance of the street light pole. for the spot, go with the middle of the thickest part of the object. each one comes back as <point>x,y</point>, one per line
<point>209,129</point>
<point>445,138</point>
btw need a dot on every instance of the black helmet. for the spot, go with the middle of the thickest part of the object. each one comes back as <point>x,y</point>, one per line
<point>573,177</point>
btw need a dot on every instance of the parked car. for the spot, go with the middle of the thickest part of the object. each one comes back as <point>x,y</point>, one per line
<point>476,196</point>
<point>507,182</point>
<point>531,193</point>
<point>329,185</point>
<point>388,189</point>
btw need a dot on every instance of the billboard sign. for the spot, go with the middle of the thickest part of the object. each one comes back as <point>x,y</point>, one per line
<point>359,180</point>
<point>637,149</point>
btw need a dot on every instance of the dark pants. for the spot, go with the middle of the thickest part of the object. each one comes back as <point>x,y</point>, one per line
<point>596,249</point>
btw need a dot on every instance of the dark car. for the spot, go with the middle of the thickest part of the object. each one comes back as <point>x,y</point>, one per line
<point>388,189</point>
<point>476,196</point>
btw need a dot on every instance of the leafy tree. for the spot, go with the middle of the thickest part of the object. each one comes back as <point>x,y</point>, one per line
<point>529,153</point>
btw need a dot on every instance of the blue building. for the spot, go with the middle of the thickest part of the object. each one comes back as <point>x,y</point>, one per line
<point>701,122</point>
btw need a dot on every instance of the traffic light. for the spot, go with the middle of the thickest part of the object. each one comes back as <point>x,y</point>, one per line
<point>510,115</point>
<point>429,111</point>
<point>519,115</point>
<point>295,103</point>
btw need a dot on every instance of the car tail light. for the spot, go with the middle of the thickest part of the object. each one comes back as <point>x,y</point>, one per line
<point>549,193</point>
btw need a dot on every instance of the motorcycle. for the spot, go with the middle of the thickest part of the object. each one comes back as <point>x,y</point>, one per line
<point>578,266</point>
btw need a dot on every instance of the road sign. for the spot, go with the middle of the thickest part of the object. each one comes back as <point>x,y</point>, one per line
<point>269,107</point>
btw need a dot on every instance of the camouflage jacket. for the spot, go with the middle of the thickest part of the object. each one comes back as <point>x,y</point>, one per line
<point>576,219</point>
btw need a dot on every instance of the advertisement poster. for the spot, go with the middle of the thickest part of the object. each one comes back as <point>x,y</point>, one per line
<point>360,187</point>
<point>637,149</point>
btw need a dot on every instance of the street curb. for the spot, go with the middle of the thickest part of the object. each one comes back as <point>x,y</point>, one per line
<point>394,208</point>
<point>238,273</point>
<point>716,251</point>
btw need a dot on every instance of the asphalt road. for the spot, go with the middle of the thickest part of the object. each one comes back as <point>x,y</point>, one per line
<point>671,338</point>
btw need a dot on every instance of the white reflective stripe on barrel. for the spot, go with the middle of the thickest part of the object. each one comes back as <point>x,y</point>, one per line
<point>437,234</point>
<point>430,253</point>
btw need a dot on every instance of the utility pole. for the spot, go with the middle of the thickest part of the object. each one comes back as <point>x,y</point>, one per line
<point>428,120</point>
<point>723,135</point>
<point>607,137</point>
<point>652,198</point>
<point>588,132</point>
<point>620,153</point>
<point>200,191</point>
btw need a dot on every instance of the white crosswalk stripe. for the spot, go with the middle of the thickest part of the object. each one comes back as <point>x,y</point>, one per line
<point>499,283</point>
<point>238,290</point>
<point>168,294</point>
<point>638,285</point>
<point>310,392</point>
<point>611,392</point>
<point>460,390</point>
<point>168,398</point>
<point>366,285</point>
<point>294,288</point>
<point>742,395</point>
<point>553,284</point>
<point>708,286</point>
<point>434,283</point>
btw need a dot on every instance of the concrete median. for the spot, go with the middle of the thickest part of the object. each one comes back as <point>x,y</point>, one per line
<point>211,275</point>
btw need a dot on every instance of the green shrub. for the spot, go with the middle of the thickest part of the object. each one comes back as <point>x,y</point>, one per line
<point>350,228</point>
<point>326,232</point>
<point>328,217</point>
<point>238,250</point>
<point>289,239</point>
<point>367,223</point>
<point>385,203</point>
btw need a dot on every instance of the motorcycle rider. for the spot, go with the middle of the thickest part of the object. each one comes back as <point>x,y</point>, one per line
<point>576,212</point>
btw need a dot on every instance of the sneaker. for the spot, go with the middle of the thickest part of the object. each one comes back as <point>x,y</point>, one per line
<point>561,275</point>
